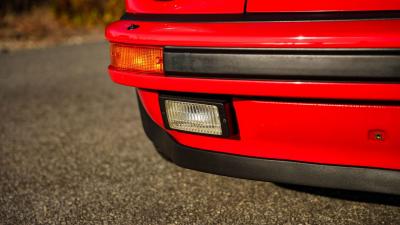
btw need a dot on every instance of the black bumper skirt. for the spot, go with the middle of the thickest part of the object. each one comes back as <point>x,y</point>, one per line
<point>329,176</point>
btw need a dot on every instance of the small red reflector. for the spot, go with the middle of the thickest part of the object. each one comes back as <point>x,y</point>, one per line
<point>137,58</point>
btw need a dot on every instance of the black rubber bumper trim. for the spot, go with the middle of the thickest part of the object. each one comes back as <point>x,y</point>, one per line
<point>328,176</point>
<point>358,65</point>
<point>265,17</point>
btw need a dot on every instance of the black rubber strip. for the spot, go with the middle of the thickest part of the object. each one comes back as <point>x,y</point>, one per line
<point>276,17</point>
<point>359,65</point>
<point>319,175</point>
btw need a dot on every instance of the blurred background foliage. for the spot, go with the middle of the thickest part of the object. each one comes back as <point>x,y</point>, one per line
<point>80,13</point>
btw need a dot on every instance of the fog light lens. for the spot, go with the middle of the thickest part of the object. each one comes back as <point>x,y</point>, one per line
<point>193,115</point>
<point>137,58</point>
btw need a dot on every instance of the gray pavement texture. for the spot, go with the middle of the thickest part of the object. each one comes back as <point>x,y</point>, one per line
<point>72,151</point>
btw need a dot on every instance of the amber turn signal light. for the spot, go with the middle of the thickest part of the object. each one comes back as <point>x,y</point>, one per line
<point>147,59</point>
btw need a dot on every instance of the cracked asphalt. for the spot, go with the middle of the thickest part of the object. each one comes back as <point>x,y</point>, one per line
<point>72,151</point>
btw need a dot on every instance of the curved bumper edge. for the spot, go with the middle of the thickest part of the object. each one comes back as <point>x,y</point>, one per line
<point>328,176</point>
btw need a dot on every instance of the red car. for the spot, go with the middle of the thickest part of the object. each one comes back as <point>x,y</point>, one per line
<point>302,92</point>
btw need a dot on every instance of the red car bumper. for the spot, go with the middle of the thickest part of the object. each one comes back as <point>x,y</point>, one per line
<point>315,129</point>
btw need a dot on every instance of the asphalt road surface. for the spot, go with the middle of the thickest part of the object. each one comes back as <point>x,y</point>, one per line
<point>72,151</point>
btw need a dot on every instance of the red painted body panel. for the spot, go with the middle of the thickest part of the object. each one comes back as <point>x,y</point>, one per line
<point>326,5</point>
<point>185,6</point>
<point>286,89</point>
<point>316,34</point>
<point>306,132</point>
<point>318,133</point>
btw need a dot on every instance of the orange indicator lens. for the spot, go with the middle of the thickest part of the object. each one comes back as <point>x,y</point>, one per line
<point>137,58</point>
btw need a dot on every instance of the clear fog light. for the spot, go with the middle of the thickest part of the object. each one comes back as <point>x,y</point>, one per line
<point>195,116</point>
